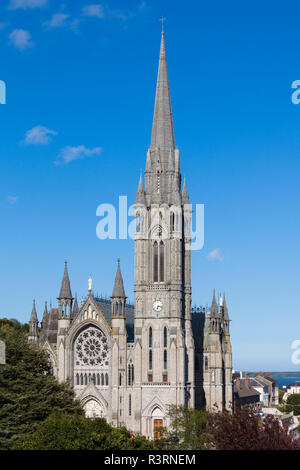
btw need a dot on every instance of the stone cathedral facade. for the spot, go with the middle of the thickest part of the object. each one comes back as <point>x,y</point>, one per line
<point>127,363</point>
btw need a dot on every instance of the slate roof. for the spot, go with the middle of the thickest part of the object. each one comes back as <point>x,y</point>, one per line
<point>105,305</point>
<point>294,384</point>
<point>243,389</point>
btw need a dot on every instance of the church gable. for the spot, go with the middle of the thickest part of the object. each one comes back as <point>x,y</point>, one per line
<point>90,310</point>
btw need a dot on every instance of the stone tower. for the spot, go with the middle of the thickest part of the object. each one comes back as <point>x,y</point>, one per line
<point>217,357</point>
<point>118,351</point>
<point>33,324</point>
<point>164,361</point>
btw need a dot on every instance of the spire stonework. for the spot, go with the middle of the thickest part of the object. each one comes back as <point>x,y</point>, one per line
<point>162,174</point>
<point>33,324</point>
<point>118,296</point>
<point>75,310</point>
<point>65,298</point>
<point>45,317</point>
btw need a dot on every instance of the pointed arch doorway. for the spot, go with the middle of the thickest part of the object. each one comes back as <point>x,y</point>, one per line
<point>157,423</point>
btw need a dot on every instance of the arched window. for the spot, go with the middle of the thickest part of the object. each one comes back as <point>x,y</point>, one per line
<point>165,337</point>
<point>206,363</point>
<point>90,351</point>
<point>158,262</point>
<point>155,262</point>
<point>150,337</point>
<point>150,359</point>
<point>165,359</point>
<point>106,379</point>
<point>138,222</point>
<point>161,262</point>
<point>129,405</point>
<point>172,222</point>
<point>120,379</point>
<point>102,379</point>
<point>130,374</point>
<point>165,342</point>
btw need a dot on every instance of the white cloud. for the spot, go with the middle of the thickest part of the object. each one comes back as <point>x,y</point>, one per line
<point>21,39</point>
<point>93,10</point>
<point>58,20</point>
<point>69,154</point>
<point>24,4</point>
<point>12,199</point>
<point>39,135</point>
<point>99,11</point>
<point>215,255</point>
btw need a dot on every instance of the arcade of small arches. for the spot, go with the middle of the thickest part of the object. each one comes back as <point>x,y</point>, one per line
<point>96,379</point>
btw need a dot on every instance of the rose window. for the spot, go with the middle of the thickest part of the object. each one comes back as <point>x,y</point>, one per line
<point>91,348</point>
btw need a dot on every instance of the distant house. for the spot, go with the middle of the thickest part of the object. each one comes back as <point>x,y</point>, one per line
<point>263,389</point>
<point>266,377</point>
<point>292,388</point>
<point>245,395</point>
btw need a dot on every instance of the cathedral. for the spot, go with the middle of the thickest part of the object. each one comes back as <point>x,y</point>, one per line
<point>128,363</point>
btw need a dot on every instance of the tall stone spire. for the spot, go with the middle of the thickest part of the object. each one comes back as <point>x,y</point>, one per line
<point>45,317</point>
<point>65,298</point>
<point>33,324</point>
<point>65,290</point>
<point>162,174</point>
<point>225,309</point>
<point>118,298</point>
<point>75,310</point>
<point>162,128</point>
<point>214,306</point>
<point>185,194</point>
<point>140,194</point>
<point>118,290</point>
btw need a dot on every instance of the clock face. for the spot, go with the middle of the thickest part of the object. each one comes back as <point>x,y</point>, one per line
<point>157,305</point>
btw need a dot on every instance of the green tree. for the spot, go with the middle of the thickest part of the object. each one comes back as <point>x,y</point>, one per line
<point>281,393</point>
<point>28,391</point>
<point>187,429</point>
<point>73,432</point>
<point>293,403</point>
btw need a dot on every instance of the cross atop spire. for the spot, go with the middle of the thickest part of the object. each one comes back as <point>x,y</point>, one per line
<point>162,19</point>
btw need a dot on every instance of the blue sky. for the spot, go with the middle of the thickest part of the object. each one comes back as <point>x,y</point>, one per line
<point>74,133</point>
